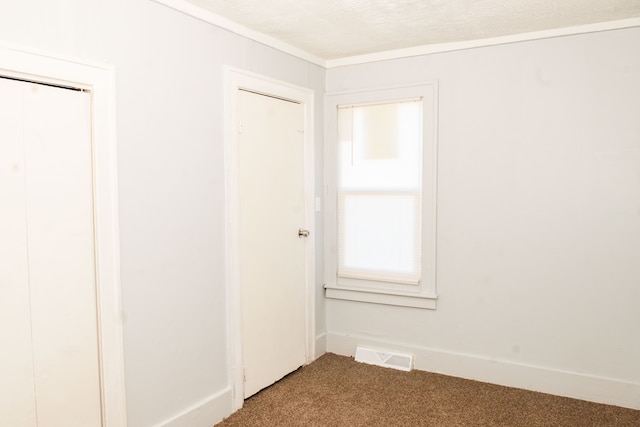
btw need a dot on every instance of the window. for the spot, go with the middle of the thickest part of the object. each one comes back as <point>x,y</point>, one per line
<point>380,210</point>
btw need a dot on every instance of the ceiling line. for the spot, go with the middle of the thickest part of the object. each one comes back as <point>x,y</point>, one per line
<point>202,14</point>
<point>492,41</point>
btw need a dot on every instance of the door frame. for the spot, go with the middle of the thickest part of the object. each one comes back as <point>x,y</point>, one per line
<point>21,63</point>
<point>235,80</point>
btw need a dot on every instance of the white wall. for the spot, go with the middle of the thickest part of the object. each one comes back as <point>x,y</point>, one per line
<point>538,260</point>
<point>169,72</point>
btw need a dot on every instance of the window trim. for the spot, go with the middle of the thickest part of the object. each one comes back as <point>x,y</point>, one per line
<point>424,294</point>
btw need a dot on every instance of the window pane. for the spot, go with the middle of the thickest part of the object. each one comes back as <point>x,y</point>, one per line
<point>380,146</point>
<point>379,236</point>
<point>379,191</point>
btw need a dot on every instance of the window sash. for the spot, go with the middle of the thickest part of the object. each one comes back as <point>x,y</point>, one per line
<point>379,236</point>
<point>379,206</point>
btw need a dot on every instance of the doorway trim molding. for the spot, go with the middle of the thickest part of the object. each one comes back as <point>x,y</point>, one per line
<point>46,68</point>
<point>234,80</point>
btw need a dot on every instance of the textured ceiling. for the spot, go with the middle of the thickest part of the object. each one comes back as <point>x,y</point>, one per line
<point>331,29</point>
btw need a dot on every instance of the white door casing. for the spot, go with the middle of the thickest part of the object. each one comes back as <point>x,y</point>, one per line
<point>235,80</point>
<point>99,82</point>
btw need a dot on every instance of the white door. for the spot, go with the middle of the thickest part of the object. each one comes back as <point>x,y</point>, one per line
<point>272,255</point>
<point>49,361</point>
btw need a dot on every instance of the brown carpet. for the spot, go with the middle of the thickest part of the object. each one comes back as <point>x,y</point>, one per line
<point>337,391</point>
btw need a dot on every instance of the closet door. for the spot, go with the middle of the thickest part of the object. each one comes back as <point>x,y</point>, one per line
<point>53,277</point>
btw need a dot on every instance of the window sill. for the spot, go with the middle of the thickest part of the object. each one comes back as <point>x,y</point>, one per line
<point>381,297</point>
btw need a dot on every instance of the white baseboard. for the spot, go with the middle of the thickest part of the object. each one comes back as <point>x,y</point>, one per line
<point>205,413</point>
<point>529,377</point>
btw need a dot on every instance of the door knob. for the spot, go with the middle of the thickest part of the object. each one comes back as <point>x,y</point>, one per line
<point>303,233</point>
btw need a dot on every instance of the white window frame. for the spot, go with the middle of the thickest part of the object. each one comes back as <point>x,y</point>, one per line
<point>422,295</point>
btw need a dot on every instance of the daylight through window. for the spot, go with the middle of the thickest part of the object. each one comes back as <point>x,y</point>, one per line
<point>380,191</point>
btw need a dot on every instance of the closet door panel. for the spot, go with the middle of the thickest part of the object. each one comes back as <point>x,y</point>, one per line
<point>17,395</point>
<point>59,200</point>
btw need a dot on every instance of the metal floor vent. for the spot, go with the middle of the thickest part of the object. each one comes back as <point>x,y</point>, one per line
<point>387,359</point>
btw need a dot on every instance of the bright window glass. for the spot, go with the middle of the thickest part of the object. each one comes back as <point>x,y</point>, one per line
<point>379,191</point>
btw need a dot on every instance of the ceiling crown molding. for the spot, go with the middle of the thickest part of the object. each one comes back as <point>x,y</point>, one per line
<point>201,13</point>
<point>493,41</point>
<point>205,15</point>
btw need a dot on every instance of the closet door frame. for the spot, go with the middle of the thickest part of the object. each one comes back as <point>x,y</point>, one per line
<point>45,68</point>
